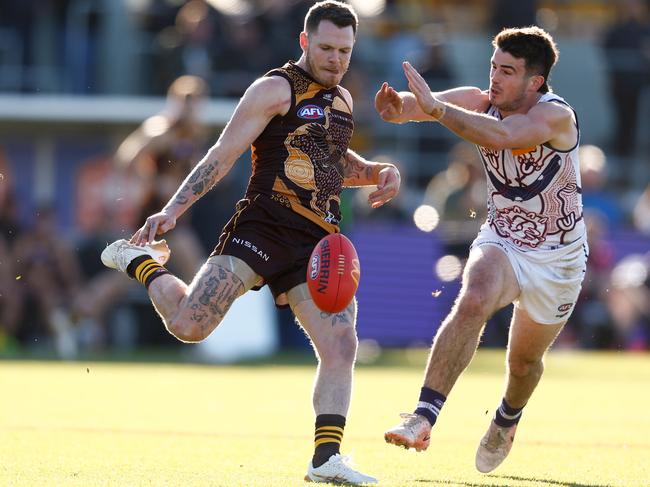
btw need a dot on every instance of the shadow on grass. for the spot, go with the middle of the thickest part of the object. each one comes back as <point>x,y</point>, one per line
<point>508,477</point>
<point>547,481</point>
<point>456,483</point>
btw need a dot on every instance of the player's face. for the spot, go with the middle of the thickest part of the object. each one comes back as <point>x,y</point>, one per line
<point>328,51</point>
<point>509,81</point>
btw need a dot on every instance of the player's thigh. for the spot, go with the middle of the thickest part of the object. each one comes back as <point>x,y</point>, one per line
<point>327,331</point>
<point>490,276</point>
<point>530,339</point>
<point>220,281</point>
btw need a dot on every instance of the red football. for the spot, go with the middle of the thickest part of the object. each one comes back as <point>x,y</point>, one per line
<point>333,273</point>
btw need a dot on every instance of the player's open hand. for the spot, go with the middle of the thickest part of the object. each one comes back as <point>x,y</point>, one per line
<point>387,187</point>
<point>419,87</point>
<point>388,103</point>
<point>156,224</point>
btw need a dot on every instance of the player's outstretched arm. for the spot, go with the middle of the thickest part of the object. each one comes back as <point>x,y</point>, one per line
<point>358,171</point>
<point>401,107</point>
<point>263,100</point>
<point>545,122</point>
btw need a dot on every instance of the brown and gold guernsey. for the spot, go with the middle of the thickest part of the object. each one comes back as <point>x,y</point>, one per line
<point>297,159</point>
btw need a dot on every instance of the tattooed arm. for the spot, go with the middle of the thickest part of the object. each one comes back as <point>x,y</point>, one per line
<point>357,171</point>
<point>263,100</point>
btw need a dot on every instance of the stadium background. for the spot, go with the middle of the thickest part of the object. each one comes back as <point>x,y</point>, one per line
<point>77,76</point>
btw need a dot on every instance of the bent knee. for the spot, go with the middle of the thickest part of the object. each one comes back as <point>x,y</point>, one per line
<point>476,303</point>
<point>189,330</point>
<point>521,367</point>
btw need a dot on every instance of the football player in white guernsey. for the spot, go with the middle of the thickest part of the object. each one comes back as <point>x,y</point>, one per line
<point>531,250</point>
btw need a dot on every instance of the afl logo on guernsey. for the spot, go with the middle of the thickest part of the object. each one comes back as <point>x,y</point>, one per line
<point>311,112</point>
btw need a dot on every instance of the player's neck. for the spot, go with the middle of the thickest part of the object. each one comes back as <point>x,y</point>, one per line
<point>523,107</point>
<point>304,65</point>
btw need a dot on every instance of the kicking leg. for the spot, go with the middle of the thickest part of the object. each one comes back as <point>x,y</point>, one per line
<point>192,312</point>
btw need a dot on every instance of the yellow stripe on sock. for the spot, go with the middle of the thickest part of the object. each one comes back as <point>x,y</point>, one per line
<point>143,265</point>
<point>337,429</point>
<point>326,440</point>
<point>150,271</point>
<point>140,277</point>
<point>328,433</point>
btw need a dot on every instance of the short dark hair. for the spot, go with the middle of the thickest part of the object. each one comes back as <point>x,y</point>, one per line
<point>339,13</point>
<point>534,45</point>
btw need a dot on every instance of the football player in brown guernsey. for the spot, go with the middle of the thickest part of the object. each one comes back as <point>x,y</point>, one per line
<point>298,120</point>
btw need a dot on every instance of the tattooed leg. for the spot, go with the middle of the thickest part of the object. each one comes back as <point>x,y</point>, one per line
<point>334,339</point>
<point>192,312</point>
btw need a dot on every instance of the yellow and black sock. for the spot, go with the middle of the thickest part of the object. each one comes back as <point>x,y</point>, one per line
<point>144,269</point>
<point>329,434</point>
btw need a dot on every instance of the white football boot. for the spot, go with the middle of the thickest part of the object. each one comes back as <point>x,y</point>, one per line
<point>494,447</point>
<point>413,432</point>
<point>121,253</point>
<point>337,470</point>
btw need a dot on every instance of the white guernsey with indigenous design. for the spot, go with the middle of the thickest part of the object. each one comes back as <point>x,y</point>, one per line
<point>534,193</point>
<point>535,217</point>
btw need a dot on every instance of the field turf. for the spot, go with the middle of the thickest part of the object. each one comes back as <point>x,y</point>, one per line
<point>123,424</point>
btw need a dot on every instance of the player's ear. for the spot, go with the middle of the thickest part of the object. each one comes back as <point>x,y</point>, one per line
<point>304,41</point>
<point>536,82</point>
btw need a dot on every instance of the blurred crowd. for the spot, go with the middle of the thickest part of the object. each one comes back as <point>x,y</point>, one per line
<point>54,293</point>
<point>55,288</point>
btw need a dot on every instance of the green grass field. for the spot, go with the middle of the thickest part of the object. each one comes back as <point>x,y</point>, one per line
<point>106,424</point>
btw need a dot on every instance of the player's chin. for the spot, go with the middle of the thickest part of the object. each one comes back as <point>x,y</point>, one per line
<point>331,79</point>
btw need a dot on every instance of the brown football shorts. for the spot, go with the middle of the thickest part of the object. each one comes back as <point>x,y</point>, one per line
<point>272,239</point>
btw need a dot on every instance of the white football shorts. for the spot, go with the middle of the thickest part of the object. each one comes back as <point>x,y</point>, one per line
<point>550,280</point>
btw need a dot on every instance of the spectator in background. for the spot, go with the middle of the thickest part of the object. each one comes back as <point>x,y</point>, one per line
<point>195,25</point>
<point>591,326</point>
<point>10,291</point>
<point>160,153</point>
<point>244,57</point>
<point>190,46</point>
<point>434,62</point>
<point>9,295</point>
<point>279,19</point>
<point>641,212</point>
<point>627,49</point>
<point>436,70</point>
<point>9,227</point>
<point>458,193</point>
<point>596,195</point>
<point>630,301</point>
<point>50,277</point>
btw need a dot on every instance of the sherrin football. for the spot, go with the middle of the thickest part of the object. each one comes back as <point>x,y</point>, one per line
<point>333,273</point>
